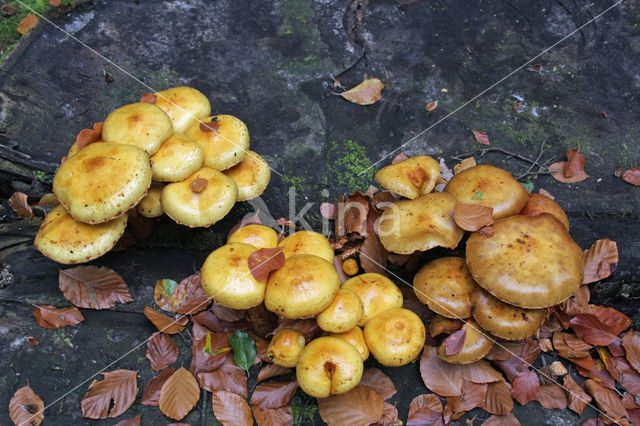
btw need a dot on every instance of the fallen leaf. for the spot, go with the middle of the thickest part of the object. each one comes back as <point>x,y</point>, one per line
<point>626,375</point>
<point>575,163</point>
<point>487,231</point>
<point>26,408</point>
<point>361,405</point>
<point>131,421</point>
<point>559,170</point>
<point>93,287</point>
<point>576,304</point>
<point>608,401</point>
<point>508,420</point>
<point>379,382</point>
<point>432,105</point>
<point>593,331</point>
<point>439,376</point>
<point>481,137</point>
<point>473,396</point>
<point>430,401</point>
<point>443,325</point>
<point>629,402</point>
<point>209,352</point>
<point>425,416</point>
<point>228,314</point>
<point>110,397</point>
<point>228,377</point>
<point>453,343</point>
<point>399,158</point>
<point>231,409</point>
<point>472,217</point>
<point>274,394</point>
<point>56,3</point>
<point>244,349</point>
<point>525,387</point>
<point>164,323</point>
<point>273,417</point>
<point>615,319</point>
<point>373,255</point>
<point>179,394</point>
<point>498,399</point>
<point>351,215</point>
<point>264,261</point>
<point>480,372</point>
<point>148,98</point>
<point>365,93</point>
<point>211,322</point>
<point>552,397</point>
<point>185,297</point>
<point>631,345</point>
<point>525,355</point>
<point>598,259</point>
<point>32,341</point>
<point>570,346</point>
<point>390,416</point>
<point>211,126</point>
<point>20,205</point>
<point>27,23</point>
<point>272,370</point>
<point>52,317</point>
<point>89,136</point>
<point>327,210</point>
<point>598,372</point>
<point>632,176</point>
<point>161,351</point>
<point>151,393</point>
<point>578,398</point>
<point>464,165</point>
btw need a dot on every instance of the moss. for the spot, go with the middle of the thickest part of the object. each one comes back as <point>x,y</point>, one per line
<point>304,414</point>
<point>349,165</point>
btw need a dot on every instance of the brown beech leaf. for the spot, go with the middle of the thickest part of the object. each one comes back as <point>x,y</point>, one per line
<point>131,421</point>
<point>487,231</point>
<point>93,287</point>
<point>379,382</point>
<point>373,255</point>
<point>590,329</point>
<point>27,23</point>
<point>211,322</point>
<point>20,205</point>
<point>632,176</point>
<point>199,185</point>
<point>615,319</point>
<point>161,351</point>
<point>110,397</point>
<point>508,420</point>
<point>480,372</point>
<point>472,217</point>
<point>598,260</point>
<point>89,136</point>
<point>442,325</point>
<point>626,375</point>
<point>164,323</point>
<point>525,387</point>
<point>274,394</point>
<point>179,394</point>
<point>432,105</point>
<point>151,393</point>
<point>209,352</point>
<point>273,417</point>
<point>26,408</point>
<point>629,402</point>
<point>598,372</point>
<point>439,376</point>
<point>231,409</point>
<point>327,210</point>
<point>473,396</point>
<point>481,137</point>
<point>575,163</point>
<point>525,354</point>
<point>390,416</point>
<point>351,215</point>
<point>227,377</point>
<point>557,172</point>
<point>187,297</point>
<point>148,98</point>
<point>228,314</point>
<point>430,401</point>
<point>425,417</point>
<point>361,405</point>
<point>365,93</point>
<point>308,328</point>
<point>631,345</point>
<point>576,304</point>
<point>211,126</point>
<point>578,398</point>
<point>498,399</point>
<point>570,346</point>
<point>264,261</point>
<point>272,370</point>
<point>552,397</point>
<point>464,164</point>
<point>52,317</point>
<point>608,401</point>
<point>453,343</point>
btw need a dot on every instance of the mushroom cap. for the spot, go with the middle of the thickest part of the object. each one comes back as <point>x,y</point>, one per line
<point>489,186</point>
<point>259,236</point>
<point>476,346</point>
<point>355,336</point>
<point>285,347</point>
<point>150,205</point>
<point>143,125</point>
<point>205,208</point>
<point>420,224</point>
<point>184,105</point>
<point>251,175</point>
<point>66,241</point>
<point>73,149</point>
<point>445,285</point>
<point>376,292</point>
<point>539,203</point>
<point>102,181</point>
<point>328,366</point>
<point>307,242</point>
<point>344,312</point>
<point>226,277</point>
<point>530,261</point>
<point>504,320</point>
<point>395,337</point>
<point>225,147</point>
<point>410,178</point>
<point>303,287</point>
<point>177,159</point>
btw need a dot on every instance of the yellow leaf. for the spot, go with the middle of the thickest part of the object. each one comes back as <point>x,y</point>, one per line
<point>365,93</point>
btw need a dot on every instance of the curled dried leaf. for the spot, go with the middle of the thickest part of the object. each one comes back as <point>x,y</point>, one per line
<point>26,408</point>
<point>481,137</point>
<point>575,163</point>
<point>366,93</point>
<point>211,126</point>
<point>454,343</point>
<point>432,105</point>
<point>578,398</point>
<point>89,136</point>
<point>632,176</point>
<point>264,261</point>
<point>598,260</point>
<point>52,317</point>
<point>464,164</point>
<point>552,397</point>
<point>20,205</point>
<point>164,323</point>
<point>148,98</point>
<point>361,405</point>
<point>199,185</point>
<point>472,217</point>
<point>151,393</point>
<point>557,171</point>
<point>379,382</point>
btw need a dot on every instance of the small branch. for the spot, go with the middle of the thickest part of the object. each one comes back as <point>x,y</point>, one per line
<point>535,163</point>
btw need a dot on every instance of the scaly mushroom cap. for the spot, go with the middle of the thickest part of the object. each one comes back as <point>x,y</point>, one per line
<point>188,207</point>
<point>303,287</point>
<point>489,186</point>
<point>225,147</point>
<point>530,262</point>
<point>226,277</point>
<point>410,178</point>
<point>285,347</point>
<point>376,292</point>
<point>445,285</point>
<point>102,181</point>
<point>66,241</point>
<point>143,125</point>
<point>395,337</point>
<point>177,159</point>
<point>476,346</point>
<point>420,224</point>
<point>183,105</point>
<point>503,320</point>
<point>307,242</point>
<point>150,205</point>
<point>251,175</point>
<point>355,336</point>
<point>259,236</point>
<point>328,366</point>
<point>344,312</point>
<point>539,203</point>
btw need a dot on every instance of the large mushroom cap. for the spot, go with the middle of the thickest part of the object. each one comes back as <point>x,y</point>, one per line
<point>445,285</point>
<point>189,204</point>
<point>177,159</point>
<point>489,186</point>
<point>259,236</point>
<point>150,205</point>
<point>504,320</point>
<point>355,336</point>
<point>377,293</point>
<point>530,262</point>
<point>226,277</point>
<point>225,147</point>
<point>307,242</point>
<point>143,125</point>
<point>183,105</point>
<point>410,178</point>
<point>476,346</point>
<point>395,337</point>
<point>539,203</point>
<point>285,347</point>
<point>303,287</point>
<point>66,241</point>
<point>251,175</point>
<point>102,181</point>
<point>420,224</point>
<point>344,312</point>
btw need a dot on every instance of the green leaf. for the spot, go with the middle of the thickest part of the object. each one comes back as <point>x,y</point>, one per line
<point>244,349</point>
<point>529,186</point>
<point>169,286</point>
<point>478,195</point>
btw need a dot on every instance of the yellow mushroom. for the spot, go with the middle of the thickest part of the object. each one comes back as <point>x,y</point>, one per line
<point>143,125</point>
<point>251,175</point>
<point>356,338</point>
<point>410,178</point>
<point>285,347</point>
<point>259,236</point>
<point>307,242</point>
<point>150,205</point>
<point>344,312</point>
<point>224,147</point>
<point>376,292</point>
<point>183,105</point>
<point>177,159</point>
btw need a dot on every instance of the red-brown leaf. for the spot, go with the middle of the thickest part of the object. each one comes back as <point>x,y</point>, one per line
<point>425,417</point>
<point>615,319</point>
<point>525,387</point>
<point>498,399</point>
<point>327,210</point>
<point>26,408</point>
<point>272,370</point>
<point>430,401</point>
<point>227,377</point>
<point>575,163</point>
<point>55,3</point>
<point>608,401</point>
<point>93,287</point>
<point>148,98</point>
<point>164,323</point>
<point>20,205</point>
<point>27,23</point>
<point>110,397</point>
<point>32,341</point>
<point>557,172</point>
<point>626,375</point>
<point>390,415</point>
<point>480,372</point>
<point>473,396</point>
<point>179,394</point>
<point>570,346</point>
<point>632,176</point>
<point>161,351</point>
<point>578,398</point>
<point>231,409</point>
<point>439,376</point>
<point>598,260</point>
<point>365,93</point>
<point>211,126</point>
<point>361,405</point>
<point>442,325</point>
<point>273,417</point>
<point>464,164</point>
<point>151,393</point>
<point>274,394</point>
<point>508,420</point>
<point>211,322</point>
<point>481,137</point>
<point>189,297</point>
<point>590,329</point>
<point>472,217</point>
<point>598,372</point>
<point>432,105</point>
<point>209,352</point>
<point>373,255</point>
<point>52,317</point>
<point>89,136</point>
<point>265,260</point>
<point>631,345</point>
<point>379,382</point>
<point>131,421</point>
<point>552,397</point>
<point>453,343</point>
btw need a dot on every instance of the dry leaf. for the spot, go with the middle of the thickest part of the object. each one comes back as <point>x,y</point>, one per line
<point>480,372</point>
<point>273,417</point>
<point>32,341</point>
<point>578,398</point>
<point>52,317</point>
<point>373,255</point>
<point>185,297</point>
<point>209,351</point>
<point>508,420</point>
<point>615,319</point>
<point>151,393</point>
<point>199,185</point>
<point>598,259</point>
<point>327,210</point>
<point>575,163</point>
<point>148,98</point>
<point>26,408</point>
<point>379,382</point>
<point>89,136</point>
<point>164,323</point>
<point>596,370</point>
<point>570,346</point>
<point>552,397</point>
<point>361,405</point>
<point>274,394</point>
<point>632,176</point>
<point>432,105</point>
<point>472,217</point>
<point>590,329</point>
<point>228,377</point>
<point>131,421</point>
<point>27,23</point>
<point>439,376</point>
<point>525,387</point>
<point>453,343</point>
<point>443,325</point>
<point>558,369</point>
<point>211,126</point>
<point>56,3</point>
<point>231,409</point>
<point>93,287</point>
<point>464,165</point>
<point>110,397</point>
<point>473,396</point>
<point>264,261</point>
<point>390,416</point>
<point>481,137</point>
<point>211,322</point>
<point>161,351</point>
<point>631,345</point>
<point>20,205</point>
<point>425,416</point>
<point>179,394</point>
<point>399,158</point>
<point>430,401</point>
<point>498,399</point>
<point>272,370</point>
<point>365,93</point>
<point>607,401</point>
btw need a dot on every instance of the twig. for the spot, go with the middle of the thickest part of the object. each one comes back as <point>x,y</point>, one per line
<point>203,421</point>
<point>535,163</point>
<point>302,410</point>
<point>486,150</point>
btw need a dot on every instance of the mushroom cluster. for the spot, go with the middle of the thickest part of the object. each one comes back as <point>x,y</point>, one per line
<point>163,155</point>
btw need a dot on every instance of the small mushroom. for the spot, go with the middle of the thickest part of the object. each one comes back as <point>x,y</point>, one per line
<point>307,242</point>
<point>202,199</point>
<point>395,337</point>
<point>376,292</point>
<point>328,366</point>
<point>259,236</point>
<point>183,105</point>
<point>489,186</point>
<point>476,346</point>
<point>355,336</point>
<point>539,203</point>
<point>344,312</point>
<point>251,175</point>
<point>421,224</point>
<point>285,347</point>
<point>177,159</point>
<point>64,240</point>
<point>150,205</point>
<point>410,178</point>
<point>143,125</point>
<point>445,285</point>
<point>224,144</point>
